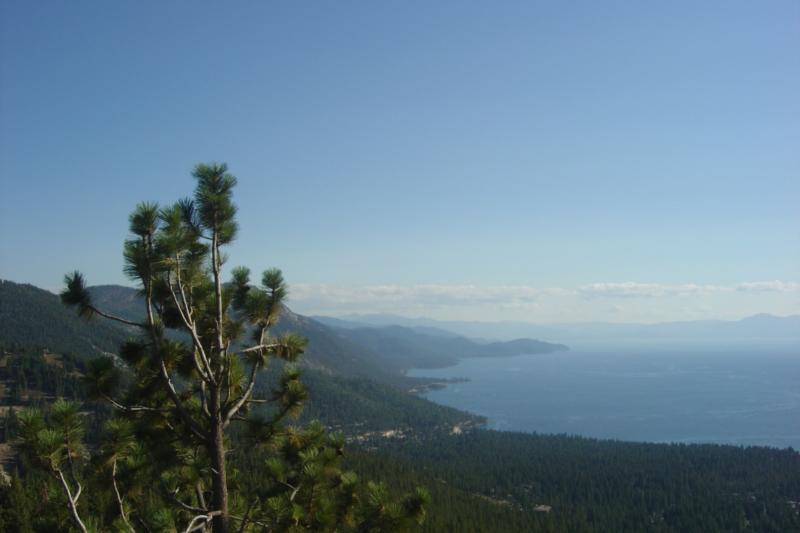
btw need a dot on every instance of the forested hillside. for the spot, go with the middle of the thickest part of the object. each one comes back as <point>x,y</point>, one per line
<point>604,485</point>
<point>33,319</point>
<point>403,348</point>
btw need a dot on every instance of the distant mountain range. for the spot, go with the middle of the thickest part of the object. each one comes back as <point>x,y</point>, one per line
<point>757,328</point>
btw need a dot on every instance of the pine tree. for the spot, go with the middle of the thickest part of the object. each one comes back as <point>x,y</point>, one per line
<point>190,377</point>
<point>57,447</point>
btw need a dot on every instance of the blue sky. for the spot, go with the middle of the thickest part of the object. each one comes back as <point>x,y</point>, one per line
<point>391,153</point>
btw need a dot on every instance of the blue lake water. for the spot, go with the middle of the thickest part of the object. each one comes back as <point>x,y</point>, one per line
<point>681,394</point>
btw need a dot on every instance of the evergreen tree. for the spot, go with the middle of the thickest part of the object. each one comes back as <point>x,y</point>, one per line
<point>57,447</point>
<point>182,394</point>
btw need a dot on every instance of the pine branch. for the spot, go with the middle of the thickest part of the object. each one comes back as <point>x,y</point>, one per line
<point>260,348</point>
<point>173,394</point>
<point>116,318</point>
<point>130,408</point>
<point>243,399</point>
<point>246,518</point>
<point>189,320</point>
<point>206,374</point>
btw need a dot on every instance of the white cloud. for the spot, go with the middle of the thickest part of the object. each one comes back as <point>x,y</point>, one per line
<point>647,290</point>
<point>596,301</point>
<point>769,286</point>
<point>420,294</point>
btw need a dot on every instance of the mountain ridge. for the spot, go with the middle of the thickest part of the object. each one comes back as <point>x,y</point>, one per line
<point>755,327</point>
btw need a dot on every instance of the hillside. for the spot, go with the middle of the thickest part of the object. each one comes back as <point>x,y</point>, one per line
<point>403,348</point>
<point>33,319</point>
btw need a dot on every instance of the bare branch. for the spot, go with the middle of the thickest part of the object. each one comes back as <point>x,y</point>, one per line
<point>206,373</point>
<point>219,317</point>
<point>245,396</point>
<point>204,399</point>
<point>186,316</point>
<point>116,318</point>
<point>73,501</point>
<point>198,489</point>
<point>173,496</point>
<point>78,492</point>
<point>206,518</point>
<point>173,394</point>
<point>130,408</point>
<point>260,347</point>
<point>122,512</point>
<point>295,490</point>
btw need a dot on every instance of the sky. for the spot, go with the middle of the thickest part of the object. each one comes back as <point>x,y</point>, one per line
<point>535,161</point>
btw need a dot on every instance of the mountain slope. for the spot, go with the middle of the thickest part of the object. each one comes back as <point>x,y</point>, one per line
<point>404,348</point>
<point>32,319</point>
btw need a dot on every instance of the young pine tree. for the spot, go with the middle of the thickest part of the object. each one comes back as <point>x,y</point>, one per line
<point>189,378</point>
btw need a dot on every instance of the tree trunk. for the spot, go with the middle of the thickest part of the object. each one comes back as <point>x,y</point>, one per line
<point>216,450</point>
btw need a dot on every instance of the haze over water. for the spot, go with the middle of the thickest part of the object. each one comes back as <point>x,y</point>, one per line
<point>740,396</point>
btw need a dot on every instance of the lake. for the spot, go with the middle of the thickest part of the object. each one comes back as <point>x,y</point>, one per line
<point>741,396</point>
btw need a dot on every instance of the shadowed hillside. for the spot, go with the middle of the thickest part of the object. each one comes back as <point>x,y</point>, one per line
<point>33,319</point>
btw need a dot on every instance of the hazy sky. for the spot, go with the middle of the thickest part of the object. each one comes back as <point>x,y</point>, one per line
<point>517,160</point>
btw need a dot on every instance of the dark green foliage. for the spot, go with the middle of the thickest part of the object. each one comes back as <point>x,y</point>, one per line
<point>55,446</point>
<point>358,405</point>
<point>315,496</point>
<point>34,377</point>
<point>20,508</point>
<point>212,201</point>
<point>453,509</point>
<point>599,485</point>
<point>76,295</point>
